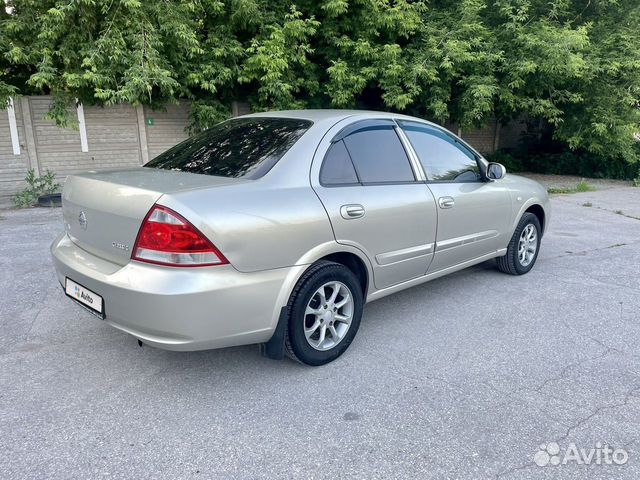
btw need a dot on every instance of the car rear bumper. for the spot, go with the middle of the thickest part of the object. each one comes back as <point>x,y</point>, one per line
<point>178,308</point>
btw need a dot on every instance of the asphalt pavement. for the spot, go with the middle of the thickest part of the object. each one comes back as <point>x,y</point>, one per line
<point>475,375</point>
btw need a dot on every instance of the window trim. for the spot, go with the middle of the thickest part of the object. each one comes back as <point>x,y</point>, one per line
<point>418,171</point>
<point>363,124</point>
<point>476,156</point>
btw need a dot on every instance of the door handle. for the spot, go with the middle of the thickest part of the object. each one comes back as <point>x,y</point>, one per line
<point>446,202</point>
<point>351,211</point>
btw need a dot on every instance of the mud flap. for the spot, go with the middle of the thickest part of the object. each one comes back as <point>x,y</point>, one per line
<point>274,348</point>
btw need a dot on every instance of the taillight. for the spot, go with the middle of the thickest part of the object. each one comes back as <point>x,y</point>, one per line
<point>166,238</point>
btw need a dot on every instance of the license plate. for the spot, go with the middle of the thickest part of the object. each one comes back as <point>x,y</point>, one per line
<point>85,297</point>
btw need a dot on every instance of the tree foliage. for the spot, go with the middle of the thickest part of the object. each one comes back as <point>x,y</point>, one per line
<point>574,64</point>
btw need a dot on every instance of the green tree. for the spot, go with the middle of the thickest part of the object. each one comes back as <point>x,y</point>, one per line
<point>571,64</point>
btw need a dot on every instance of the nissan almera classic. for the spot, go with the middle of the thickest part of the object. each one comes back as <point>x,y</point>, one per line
<point>276,228</point>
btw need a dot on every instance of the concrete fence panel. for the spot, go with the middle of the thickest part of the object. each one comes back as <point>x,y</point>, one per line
<point>166,129</point>
<point>13,168</point>
<point>124,136</point>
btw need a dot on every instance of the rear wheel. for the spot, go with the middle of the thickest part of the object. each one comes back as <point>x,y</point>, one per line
<point>324,314</point>
<point>523,248</point>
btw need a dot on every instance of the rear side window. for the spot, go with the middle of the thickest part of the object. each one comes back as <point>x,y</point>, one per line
<point>239,148</point>
<point>337,168</point>
<point>443,159</point>
<point>378,155</point>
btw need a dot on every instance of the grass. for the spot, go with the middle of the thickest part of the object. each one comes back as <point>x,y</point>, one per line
<point>584,187</point>
<point>579,188</point>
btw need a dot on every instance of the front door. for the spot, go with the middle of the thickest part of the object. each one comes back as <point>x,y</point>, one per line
<point>375,203</point>
<point>473,215</point>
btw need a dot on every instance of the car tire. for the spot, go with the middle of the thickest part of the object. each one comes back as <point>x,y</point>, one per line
<point>322,324</point>
<point>514,262</point>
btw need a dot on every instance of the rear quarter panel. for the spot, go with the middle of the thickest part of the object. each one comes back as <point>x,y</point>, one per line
<point>257,225</point>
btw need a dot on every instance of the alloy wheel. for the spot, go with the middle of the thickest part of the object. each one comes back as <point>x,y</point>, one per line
<point>527,245</point>
<point>328,315</point>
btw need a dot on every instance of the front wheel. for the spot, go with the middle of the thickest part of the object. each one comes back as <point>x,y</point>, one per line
<point>324,314</point>
<point>523,248</point>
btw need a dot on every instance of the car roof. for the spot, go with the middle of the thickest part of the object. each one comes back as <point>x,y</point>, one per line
<point>324,118</point>
<point>318,115</point>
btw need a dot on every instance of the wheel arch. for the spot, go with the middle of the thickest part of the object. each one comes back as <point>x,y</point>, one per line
<point>349,256</point>
<point>353,258</point>
<point>354,263</point>
<point>538,211</point>
<point>536,206</point>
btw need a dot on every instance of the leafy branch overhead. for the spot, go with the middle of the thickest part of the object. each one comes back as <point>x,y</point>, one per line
<point>574,64</point>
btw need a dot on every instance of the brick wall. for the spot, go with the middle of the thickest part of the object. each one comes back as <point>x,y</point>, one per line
<point>492,136</point>
<point>511,133</point>
<point>482,139</point>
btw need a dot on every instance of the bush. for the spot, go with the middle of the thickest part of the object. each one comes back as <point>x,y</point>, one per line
<point>584,187</point>
<point>566,163</point>
<point>36,186</point>
<point>511,163</point>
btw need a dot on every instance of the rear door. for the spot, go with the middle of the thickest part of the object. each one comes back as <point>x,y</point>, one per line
<point>374,200</point>
<point>473,215</point>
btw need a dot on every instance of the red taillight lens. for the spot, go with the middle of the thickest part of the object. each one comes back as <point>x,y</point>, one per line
<point>167,238</point>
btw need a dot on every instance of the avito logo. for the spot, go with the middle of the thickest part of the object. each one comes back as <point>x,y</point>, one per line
<point>81,295</point>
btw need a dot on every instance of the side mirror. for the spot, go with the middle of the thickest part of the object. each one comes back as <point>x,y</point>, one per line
<point>496,171</point>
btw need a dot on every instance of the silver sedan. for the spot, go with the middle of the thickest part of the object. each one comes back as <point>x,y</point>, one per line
<point>275,228</point>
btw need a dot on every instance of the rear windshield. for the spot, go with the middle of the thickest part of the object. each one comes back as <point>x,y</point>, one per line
<point>243,147</point>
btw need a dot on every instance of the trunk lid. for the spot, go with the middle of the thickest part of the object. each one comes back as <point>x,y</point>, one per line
<point>103,211</point>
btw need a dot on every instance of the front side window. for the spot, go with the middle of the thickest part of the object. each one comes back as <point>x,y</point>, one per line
<point>378,155</point>
<point>442,157</point>
<point>239,148</point>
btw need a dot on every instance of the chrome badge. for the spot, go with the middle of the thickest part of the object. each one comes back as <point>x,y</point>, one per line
<point>82,220</point>
<point>120,246</point>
